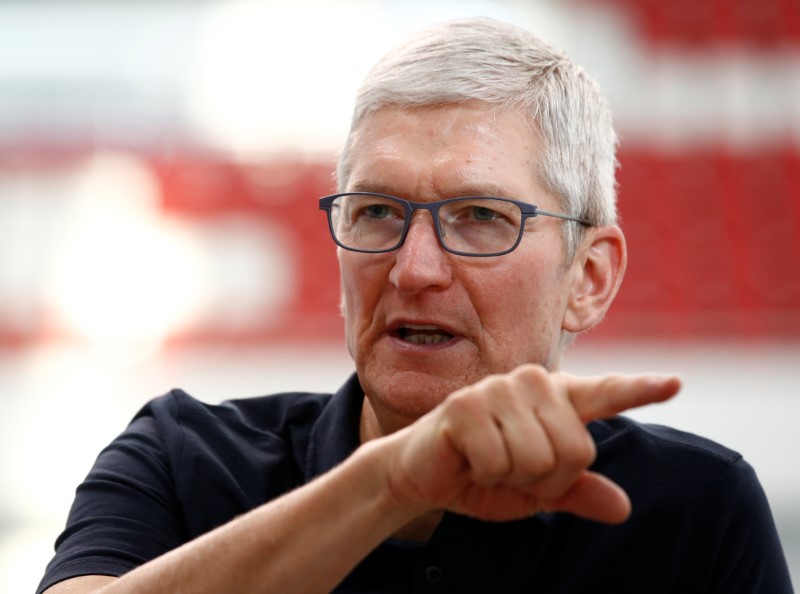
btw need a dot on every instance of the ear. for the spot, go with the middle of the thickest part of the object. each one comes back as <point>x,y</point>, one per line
<point>597,269</point>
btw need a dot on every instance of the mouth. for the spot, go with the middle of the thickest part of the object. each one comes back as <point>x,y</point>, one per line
<point>423,334</point>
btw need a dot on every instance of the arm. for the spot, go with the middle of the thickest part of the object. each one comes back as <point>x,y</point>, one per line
<point>331,523</point>
<point>506,448</point>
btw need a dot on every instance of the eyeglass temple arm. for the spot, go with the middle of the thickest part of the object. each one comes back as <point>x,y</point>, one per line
<point>559,215</point>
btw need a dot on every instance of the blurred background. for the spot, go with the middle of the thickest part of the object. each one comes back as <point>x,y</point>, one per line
<point>159,165</point>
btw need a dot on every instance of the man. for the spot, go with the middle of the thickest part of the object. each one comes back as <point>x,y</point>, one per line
<point>458,458</point>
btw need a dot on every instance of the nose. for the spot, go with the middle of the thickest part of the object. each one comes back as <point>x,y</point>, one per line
<point>421,262</point>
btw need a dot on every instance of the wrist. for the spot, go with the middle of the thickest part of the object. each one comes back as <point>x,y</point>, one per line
<point>379,459</point>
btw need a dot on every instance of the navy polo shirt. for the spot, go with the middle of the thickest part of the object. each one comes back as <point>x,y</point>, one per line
<point>700,522</point>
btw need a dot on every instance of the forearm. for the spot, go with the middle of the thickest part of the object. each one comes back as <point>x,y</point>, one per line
<point>306,541</point>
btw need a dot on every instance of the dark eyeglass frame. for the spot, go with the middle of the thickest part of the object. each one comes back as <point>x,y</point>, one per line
<point>528,211</point>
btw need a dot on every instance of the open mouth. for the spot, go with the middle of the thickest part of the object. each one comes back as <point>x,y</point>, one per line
<point>423,334</point>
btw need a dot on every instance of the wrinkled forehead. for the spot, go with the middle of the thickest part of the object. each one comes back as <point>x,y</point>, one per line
<point>445,150</point>
<point>477,121</point>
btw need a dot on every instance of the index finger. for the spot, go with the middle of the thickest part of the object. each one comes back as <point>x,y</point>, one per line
<point>608,395</point>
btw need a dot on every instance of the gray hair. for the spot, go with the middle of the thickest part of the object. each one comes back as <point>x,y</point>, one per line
<point>508,67</point>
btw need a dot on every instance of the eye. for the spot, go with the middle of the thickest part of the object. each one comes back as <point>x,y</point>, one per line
<point>482,213</point>
<point>478,211</point>
<point>377,211</point>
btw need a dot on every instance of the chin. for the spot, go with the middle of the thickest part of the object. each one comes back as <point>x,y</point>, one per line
<point>411,394</point>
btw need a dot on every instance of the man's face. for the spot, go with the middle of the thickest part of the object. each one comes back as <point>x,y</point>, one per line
<point>485,315</point>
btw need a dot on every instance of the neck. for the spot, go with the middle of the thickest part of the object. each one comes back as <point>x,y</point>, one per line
<point>379,423</point>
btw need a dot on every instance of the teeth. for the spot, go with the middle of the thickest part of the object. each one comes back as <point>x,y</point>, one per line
<point>424,334</point>
<point>427,338</point>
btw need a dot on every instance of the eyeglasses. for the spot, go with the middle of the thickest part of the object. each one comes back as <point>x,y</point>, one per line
<point>466,226</point>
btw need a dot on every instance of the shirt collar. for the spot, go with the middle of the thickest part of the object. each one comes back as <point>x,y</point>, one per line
<point>336,432</point>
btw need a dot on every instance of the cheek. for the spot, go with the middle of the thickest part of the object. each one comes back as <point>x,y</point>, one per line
<point>514,307</point>
<point>361,287</point>
<point>522,311</point>
<point>352,277</point>
<point>518,289</point>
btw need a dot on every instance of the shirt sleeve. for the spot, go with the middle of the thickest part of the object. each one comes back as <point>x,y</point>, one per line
<point>124,513</point>
<point>745,553</point>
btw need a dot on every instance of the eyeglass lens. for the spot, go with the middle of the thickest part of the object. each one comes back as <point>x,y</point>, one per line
<point>468,225</point>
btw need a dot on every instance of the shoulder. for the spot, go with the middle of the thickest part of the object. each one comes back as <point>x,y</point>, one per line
<point>657,441</point>
<point>700,520</point>
<point>175,431</point>
<point>680,483</point>
<point>661,465</point>
<point>243,438</point>
<point>262,413</point>
<point>242,452</point>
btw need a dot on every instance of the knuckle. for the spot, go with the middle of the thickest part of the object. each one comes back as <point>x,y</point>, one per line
<point>586,453</point>
<point>491,390</point>
<point>531,374</point>
<point>461,403</point>
<point>542,464</point>
<point>580,451</point>
<point>491,472</point>
<point>539,382</point>
<point>533,464</point>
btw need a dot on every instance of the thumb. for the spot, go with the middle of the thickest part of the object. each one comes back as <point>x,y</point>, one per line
<point>594,497</point>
